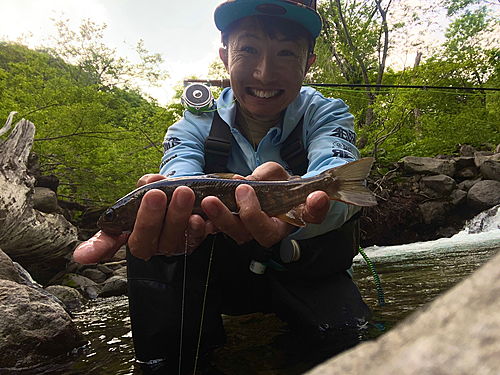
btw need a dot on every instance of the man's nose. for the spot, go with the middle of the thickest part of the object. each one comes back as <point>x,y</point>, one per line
<point>265,71</point>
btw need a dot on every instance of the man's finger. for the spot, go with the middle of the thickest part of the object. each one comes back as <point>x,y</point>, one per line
<point>316,207</point>
<point>100,247</point>
<point>173,239</point>
<point>266,230</point>
<point>143,240</point>
<point>225,221</point>
<point>195,233</point>
<point>149,178</point>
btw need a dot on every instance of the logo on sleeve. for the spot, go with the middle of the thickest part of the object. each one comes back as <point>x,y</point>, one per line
<point>170,142</point>
<point>168,160</point>
<point>345,134</point>
<point>341,150</point>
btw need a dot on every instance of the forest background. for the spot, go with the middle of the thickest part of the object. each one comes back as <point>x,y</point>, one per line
<point>98,132</point>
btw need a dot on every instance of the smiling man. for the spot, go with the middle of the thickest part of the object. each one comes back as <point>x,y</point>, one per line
<point>266,126</point>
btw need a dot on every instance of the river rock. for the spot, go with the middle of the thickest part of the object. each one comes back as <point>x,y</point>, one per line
<point>467,150</point>
<point>483,195</point>
<point>458,197</point>
<point>45,200</point>
<point>458,333</point>
<point>497,149</point>
<point>434,212</point>
<point>440,184</point>
<point>464,161</point>
<point>84,285</point>
<point>105,269</point>
<point>114,286</point>
<point>8,270</point>
<point>481,156</point>
<point>122,271</point>
<point>95,275</point>
<point>34,328</point>
<point>466,173</point>
<point>71,298</point>
<point>429,166</point>
<point>490,169</point>
<point>467,184</point>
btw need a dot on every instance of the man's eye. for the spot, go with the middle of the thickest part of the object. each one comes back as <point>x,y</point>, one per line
<point>249,50</point>
<point>286,53</point>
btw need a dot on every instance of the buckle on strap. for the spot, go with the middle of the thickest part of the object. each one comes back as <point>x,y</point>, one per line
<point>217,146</point>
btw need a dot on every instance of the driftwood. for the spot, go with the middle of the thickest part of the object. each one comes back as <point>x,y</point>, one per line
<point>8,123</point>
<point>38,241</point>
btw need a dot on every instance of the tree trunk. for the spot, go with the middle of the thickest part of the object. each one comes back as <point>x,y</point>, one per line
<point>38,241</point>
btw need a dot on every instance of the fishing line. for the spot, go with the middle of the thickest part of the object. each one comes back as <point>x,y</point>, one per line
<point>183,304</point>
<point>203,306</point>
<point>380,292</point>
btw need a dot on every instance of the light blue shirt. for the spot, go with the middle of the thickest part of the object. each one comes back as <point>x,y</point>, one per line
<point>328,136</point>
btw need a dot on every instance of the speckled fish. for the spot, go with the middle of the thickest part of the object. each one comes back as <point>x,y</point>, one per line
<point>282,199</point>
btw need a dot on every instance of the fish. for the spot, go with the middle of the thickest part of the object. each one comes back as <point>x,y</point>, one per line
<point>282,199</point>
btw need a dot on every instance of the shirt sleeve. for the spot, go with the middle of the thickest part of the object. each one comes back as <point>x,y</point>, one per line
<point>330,142</point>
<point>184,145</point>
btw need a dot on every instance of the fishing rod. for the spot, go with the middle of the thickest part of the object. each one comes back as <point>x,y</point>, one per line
<point>422,87</point>
<point>223,83</point>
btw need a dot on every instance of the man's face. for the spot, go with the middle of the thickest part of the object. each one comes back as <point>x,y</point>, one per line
<point>266,74</point>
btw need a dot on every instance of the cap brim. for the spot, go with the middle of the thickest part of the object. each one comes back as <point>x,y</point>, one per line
<point>228,12</point>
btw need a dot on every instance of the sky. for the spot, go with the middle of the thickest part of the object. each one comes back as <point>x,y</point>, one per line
<point>183,31</point>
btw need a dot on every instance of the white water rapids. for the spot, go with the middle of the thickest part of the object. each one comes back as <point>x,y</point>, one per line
<point>482,232</point>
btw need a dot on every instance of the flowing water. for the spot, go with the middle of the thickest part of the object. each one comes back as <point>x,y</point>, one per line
<point>411,276</point>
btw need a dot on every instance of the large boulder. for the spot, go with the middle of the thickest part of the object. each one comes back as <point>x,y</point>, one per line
<point>440,185</point>
<point>8,270</point>
<point>429,166</point>
<point>33,327</point>
<point>483,195</point>
<point>458,333</point>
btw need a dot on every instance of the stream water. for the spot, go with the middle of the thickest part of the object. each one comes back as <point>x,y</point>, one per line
<point>411,276</point>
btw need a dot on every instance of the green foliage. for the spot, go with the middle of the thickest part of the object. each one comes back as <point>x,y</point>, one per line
<point>414,121</point>
<point>97,140</point>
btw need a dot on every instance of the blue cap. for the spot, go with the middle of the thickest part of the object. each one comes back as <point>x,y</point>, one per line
<point>301,11</point>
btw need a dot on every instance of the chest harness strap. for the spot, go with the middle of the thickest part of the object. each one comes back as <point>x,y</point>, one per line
<point>218,148</point>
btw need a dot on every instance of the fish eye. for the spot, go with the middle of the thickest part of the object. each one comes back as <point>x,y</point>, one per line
<point>109,215</point>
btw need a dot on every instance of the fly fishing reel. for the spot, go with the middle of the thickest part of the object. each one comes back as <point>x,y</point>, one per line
<point>197,98</point>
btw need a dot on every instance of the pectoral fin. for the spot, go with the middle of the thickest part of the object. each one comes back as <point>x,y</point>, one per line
<point>294,216</point>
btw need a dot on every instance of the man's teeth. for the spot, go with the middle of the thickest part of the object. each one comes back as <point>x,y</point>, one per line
<point>264,94</point>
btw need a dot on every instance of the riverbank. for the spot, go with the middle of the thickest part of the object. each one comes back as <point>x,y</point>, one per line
<point>419,199</point>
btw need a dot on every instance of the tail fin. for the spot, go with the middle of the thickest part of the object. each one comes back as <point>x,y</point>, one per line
<point>349,186</point>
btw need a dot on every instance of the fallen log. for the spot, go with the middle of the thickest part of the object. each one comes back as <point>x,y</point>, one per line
<point>38,241</point>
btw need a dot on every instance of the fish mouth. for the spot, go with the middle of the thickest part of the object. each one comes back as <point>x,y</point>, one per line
<point>264,94</point>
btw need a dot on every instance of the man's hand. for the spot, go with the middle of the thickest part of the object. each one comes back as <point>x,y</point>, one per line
<point>158,234</point>
<point>252,222</point>
<point>154,232</point>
